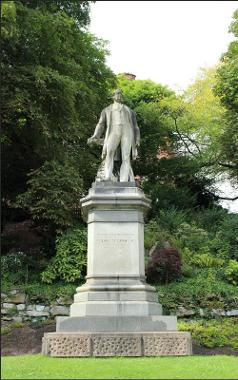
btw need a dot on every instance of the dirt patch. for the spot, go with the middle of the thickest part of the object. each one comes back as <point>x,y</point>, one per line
<point>200,350</point>
<point>28,340</point>
<point>24,340</point>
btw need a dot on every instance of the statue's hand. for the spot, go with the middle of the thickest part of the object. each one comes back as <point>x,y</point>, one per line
<point>104,153</point>
<point>135,154</point>
<point>91,140</point>
<point>95,140</point>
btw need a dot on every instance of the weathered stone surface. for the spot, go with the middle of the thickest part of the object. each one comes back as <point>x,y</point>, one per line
<point>31,307</point>
<point>59,310</point>
<point>170,343</point>
<point>21,306</point>
<point>17,319</point>
<point>7,318</point>
<point>34,313</point>
<point>3,296</point>
<point>183,312</point>
<point>64,301</point>
<point>219,312</point>
<point>111,324</point>
<point>40,307</point>
<point>232,313</point>
<point>201,312</point>
<point>66,345</point>
<point>117,344</point>
<point>16,297</point>
<point>7,305</point>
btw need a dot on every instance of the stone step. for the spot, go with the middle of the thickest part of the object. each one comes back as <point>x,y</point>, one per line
<point>115,308</point>
<point>115,323</point>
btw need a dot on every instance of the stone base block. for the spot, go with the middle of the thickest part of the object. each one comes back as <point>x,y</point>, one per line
<point>117,344</point>
<point>115,308</point>
<point>113,324</point>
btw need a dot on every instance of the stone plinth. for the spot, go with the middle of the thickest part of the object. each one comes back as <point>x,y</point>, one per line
<point>115,307</point>
<point>115,283</point>
<point>117,344</point>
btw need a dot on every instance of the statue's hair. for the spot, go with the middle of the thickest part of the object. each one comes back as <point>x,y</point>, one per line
<point>118,89</point>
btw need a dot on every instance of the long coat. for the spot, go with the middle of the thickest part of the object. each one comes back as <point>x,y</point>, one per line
<point>106,121</point>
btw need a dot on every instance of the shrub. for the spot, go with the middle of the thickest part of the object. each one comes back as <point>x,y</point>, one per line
<point>13,266</point>
<point>213,333</point>
<point>69,264</point>
<point>231,272</point>
<point>192,237</point>
<point>205,290</point>
<point>201,260</point>
<point>229,234</point>
<point>164,265</point>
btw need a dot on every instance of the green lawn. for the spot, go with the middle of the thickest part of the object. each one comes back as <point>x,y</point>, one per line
<point>192,367</point>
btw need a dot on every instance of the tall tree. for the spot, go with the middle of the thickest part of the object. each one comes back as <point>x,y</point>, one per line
<point>170,178</point>
<point>55,84</point>
<point>227,89</point>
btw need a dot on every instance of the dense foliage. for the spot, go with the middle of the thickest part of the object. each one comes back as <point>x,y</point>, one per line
<point>55,84</point>
<point>164,265</point>
<point>210,334</point>
<point>227,89</point>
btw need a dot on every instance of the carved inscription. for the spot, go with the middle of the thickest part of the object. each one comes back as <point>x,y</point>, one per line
<point>115,242</point>
<point>115,253</point>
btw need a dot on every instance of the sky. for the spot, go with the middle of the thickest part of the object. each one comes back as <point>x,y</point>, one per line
<point>165,41</point>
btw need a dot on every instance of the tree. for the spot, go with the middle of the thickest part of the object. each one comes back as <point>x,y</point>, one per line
<point>227,89</point>
<point>55,84</point>
<point>170,179</point>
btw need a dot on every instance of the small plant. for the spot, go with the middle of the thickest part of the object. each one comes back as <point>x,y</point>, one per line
<point>164,265</point>
<point>13,263</point>
<point>213,333</point>
<point>11,326</point>
<point>69,264</point>
<point>231,272</point>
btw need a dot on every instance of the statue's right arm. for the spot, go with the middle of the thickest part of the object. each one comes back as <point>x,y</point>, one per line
<point>100,126</point>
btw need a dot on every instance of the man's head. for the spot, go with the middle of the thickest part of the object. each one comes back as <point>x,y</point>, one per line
<point>117,96</point>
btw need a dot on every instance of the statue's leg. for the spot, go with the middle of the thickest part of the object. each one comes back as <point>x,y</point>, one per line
<point>126,170</point>
<point>112,144</point>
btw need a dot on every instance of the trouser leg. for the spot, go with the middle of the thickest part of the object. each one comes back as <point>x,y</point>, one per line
<point>112,144</point>
<point>126,170</point>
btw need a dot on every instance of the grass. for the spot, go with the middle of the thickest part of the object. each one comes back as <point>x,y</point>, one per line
<point>191,367</point>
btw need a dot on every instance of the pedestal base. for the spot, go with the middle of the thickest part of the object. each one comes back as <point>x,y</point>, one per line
<point>116,344</point>
<point>115,313</point>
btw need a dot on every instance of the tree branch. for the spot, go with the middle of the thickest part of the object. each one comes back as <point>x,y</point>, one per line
<point>230,166</point>
<point>229,199</point>
<point>223,198</point>
<point>183,140</point>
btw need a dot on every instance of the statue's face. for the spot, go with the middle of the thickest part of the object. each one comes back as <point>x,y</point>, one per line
<point>117,96</point>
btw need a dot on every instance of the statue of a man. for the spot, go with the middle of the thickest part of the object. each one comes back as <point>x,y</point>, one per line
<point>122,133</point>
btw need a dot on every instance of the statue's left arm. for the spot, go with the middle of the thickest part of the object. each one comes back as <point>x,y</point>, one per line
<point>136,129</point>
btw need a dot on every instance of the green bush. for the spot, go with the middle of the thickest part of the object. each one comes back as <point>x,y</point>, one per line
<point>205,290</point>
<point>14,266</point>
<point>213,333</point>
<point>69,264</point>
<point>229,234</point>
<point>231,272</point>
<point>201,260</point>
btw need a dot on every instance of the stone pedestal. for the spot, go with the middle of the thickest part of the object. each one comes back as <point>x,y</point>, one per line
<point>115,304</point>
